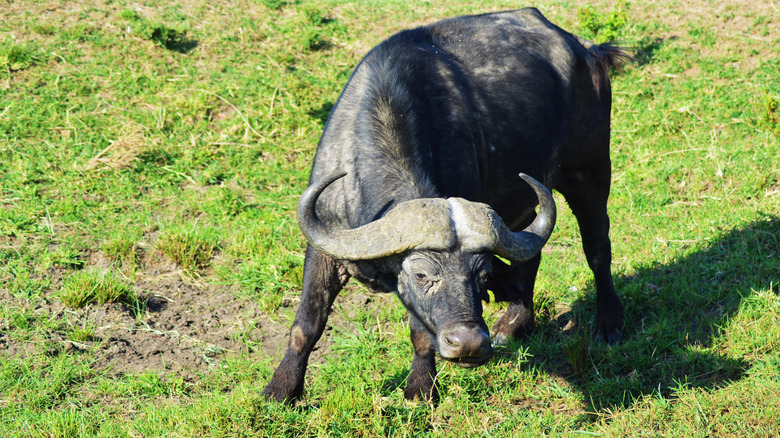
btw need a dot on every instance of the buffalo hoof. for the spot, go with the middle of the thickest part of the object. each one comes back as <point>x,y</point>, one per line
<point>422,395</point>
<point>516,323</point>
<point>280,395</point>
<point>421,388</point>
<point>612,337</point>
<point>284,387</point>
<point>507,328</point>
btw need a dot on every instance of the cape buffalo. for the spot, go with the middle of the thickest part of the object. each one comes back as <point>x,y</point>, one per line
<point>416,184</point>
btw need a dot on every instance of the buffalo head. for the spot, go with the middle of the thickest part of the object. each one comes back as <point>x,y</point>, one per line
<point>440,252</point>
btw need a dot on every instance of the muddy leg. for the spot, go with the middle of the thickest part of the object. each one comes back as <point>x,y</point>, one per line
<point>323,278</point>
<point>420,384</point>
<point>514,284</point>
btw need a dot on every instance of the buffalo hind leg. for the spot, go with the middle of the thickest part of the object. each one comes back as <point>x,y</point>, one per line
<point>588,201</point>
<point>420,384</point>
<point>514,284</point>
<point>323,278</point>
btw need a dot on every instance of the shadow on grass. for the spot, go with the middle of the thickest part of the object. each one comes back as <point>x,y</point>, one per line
<point>673,314</point>
<point>646,49</point>
<point>172,39</point>
<point>322,113</point>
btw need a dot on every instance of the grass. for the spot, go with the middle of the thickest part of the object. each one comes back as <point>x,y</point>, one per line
<point>93,286</point>
<point>190,247</point>
<point>140,143</point>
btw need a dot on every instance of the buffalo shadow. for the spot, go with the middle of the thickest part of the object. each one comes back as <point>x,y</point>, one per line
<point>672,319</point>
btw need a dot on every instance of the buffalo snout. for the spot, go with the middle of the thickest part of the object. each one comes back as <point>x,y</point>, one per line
<point>467,345</point>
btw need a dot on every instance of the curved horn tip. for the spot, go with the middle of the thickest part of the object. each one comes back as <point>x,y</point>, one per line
<point>318,187</point>
<point>530,180</point>
<point>307,215</point>
<point>545,221</point>
<point>536,185</point>
<point>334,176</point>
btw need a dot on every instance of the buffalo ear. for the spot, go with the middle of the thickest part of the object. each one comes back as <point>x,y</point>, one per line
<point>378,277</point>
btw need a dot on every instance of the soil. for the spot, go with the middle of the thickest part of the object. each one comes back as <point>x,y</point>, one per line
<point>186,328</point>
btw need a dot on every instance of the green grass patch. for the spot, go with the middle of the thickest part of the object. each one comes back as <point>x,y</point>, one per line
<point>190,246</point>
<point>122,245</point>
<point>604,27</point>
<point>94,286</point>
<point>772,113</point>
<point>14,57</point>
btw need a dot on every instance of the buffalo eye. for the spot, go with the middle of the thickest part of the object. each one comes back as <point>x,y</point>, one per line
<point>483,279</point>
<point>419,276</point>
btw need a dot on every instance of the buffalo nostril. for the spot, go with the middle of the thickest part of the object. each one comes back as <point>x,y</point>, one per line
<point>452,341</point>
<point>484,344</point>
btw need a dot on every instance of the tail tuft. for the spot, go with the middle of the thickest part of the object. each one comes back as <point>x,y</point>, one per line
<point>615,56</point>
<point>605,55</point>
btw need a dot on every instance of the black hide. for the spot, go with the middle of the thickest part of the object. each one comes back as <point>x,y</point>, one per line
<point>458,109</point>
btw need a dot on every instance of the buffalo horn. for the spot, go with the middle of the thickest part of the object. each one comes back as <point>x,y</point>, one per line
<point>427,224</point>
<point>393,233</point>
<point>480,228</point>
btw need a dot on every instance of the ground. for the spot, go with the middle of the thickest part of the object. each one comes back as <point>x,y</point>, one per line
<point>186,324</point>
<point>188,327</point>
<point>191,324</point>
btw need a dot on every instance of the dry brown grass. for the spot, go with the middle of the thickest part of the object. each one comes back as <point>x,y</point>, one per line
<point>120,153</point>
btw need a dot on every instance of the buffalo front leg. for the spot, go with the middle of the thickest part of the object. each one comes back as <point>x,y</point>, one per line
<point>323,278</point>
<point>589,204</point>
<point>420,384</point>
<point>514,284</point>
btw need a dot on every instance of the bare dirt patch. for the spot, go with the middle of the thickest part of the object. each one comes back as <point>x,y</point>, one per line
<point>188,328</point>
<point>181,326</point>
<point>184,327</point>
